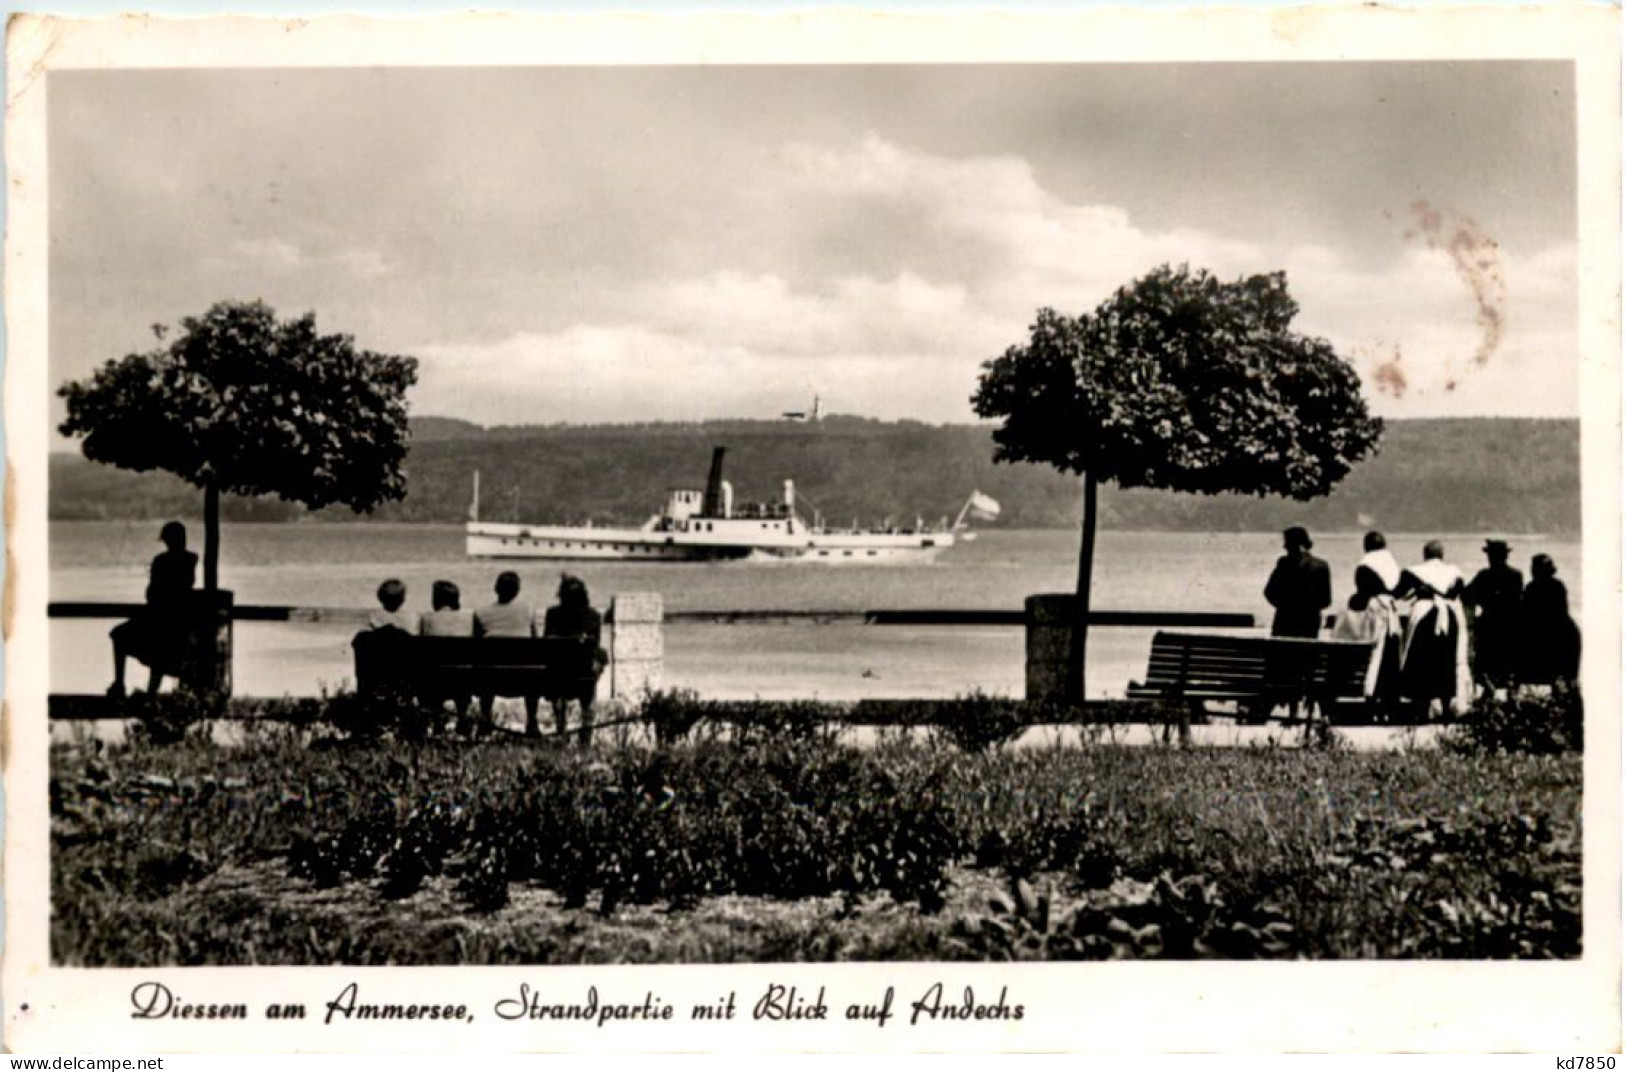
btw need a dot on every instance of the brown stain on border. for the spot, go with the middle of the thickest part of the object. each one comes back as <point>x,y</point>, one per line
<point>1390,377</point>
<point>1387,368</point>
<point>1477,259</point>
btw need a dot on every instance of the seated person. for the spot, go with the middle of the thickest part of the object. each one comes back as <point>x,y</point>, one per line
<point>389,615</point>
<point>158,635</point>
<point>574,617</point>
<point>447,618</point>
<point>509,616</point>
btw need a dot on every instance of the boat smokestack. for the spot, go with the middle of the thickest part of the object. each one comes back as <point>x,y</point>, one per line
<point>712,506</point>
<point>789,496</point>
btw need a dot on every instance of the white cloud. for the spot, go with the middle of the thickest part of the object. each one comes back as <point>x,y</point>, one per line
<point>366,263</point>
<point>841,316</point>
<point>271,253</point>
<point>895,273</point>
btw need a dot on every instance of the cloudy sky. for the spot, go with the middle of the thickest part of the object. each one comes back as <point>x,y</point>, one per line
<point>615,244</point>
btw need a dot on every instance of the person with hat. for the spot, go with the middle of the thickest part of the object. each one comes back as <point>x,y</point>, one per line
<point>156,637</point>
<point>1299,588</point>
<point>1494,599</point>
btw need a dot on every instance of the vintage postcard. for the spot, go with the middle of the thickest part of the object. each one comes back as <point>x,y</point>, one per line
<point>841,531</point>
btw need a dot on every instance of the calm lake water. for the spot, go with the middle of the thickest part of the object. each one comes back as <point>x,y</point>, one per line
<point>341,565</point>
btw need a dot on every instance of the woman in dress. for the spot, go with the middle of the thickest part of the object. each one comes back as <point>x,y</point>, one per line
<point>1433,662</point>
<point>1373,618</point>
<point>1551,639</point>
<point>574,617</point>
<point>157,635</point>
<point>447,619</point>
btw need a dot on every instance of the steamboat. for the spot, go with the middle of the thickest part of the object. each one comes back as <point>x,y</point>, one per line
<point>700,526</point>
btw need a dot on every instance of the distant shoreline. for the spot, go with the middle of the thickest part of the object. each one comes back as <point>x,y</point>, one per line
<point>1488,475</point>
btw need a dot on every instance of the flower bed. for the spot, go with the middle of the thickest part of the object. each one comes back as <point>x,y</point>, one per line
<point>302,847</point>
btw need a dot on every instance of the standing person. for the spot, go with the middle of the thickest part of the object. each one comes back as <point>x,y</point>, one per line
<point>1299,588</point>
<point>1434,660</point>
<point>1551,640</point>
<point>1379,561</point>
<point>1493,599</point>
<point>157,635</point>
<point>573,617</point>
<point>390,612</point>
<point>1373,618</point>
<point>509,616</point>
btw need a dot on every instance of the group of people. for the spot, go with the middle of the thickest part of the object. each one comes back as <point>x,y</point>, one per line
<point>1436,637</point>
<point>572,617</point>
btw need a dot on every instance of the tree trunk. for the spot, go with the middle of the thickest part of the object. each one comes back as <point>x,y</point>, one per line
<point>211,539</point>
<point>1079,648</point>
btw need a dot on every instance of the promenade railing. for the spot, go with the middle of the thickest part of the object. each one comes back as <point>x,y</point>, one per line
<point>637,621</point>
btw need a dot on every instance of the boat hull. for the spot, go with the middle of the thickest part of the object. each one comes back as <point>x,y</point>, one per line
<point>505,541</point>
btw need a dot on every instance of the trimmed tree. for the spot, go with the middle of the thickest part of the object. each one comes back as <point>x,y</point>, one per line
<point>1183,382</point>
<point>246,404</point>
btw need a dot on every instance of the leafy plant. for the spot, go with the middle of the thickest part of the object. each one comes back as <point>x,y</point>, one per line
<point>804,849</point>
<point>241,402</point>
<point>171,718</point>
<point>1545,723</point>
<point>388,710</point>
<point>979,722</point>
<point>1177,381</point>
<point>671,713</point>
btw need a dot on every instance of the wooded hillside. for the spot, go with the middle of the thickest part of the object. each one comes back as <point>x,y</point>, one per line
<point>1473,475</point>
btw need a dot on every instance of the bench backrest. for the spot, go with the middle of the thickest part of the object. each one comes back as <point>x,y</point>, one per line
<point>1215,665</point>
<point>507,666</point>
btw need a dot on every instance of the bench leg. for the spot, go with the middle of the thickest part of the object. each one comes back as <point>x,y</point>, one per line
<point>1189,711</point>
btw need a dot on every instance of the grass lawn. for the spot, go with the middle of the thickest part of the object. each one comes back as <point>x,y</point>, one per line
<point>303,847</point>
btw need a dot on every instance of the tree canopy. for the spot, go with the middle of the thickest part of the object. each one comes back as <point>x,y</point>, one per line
<point>243,403</point>
<point>1184,382</point>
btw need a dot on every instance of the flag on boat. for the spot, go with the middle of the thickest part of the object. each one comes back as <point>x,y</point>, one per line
<point>983,506</point>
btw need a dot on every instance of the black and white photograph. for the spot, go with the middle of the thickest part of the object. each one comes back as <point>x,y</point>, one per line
<point>863,542</point>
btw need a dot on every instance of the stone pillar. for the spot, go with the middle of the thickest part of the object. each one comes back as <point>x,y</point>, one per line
<point>1049,637</point>
<point>208,669</point>
<point>637,646</point>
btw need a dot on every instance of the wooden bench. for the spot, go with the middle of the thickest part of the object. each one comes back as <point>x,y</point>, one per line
<point>1256,673</point>
<point>436,668</point>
